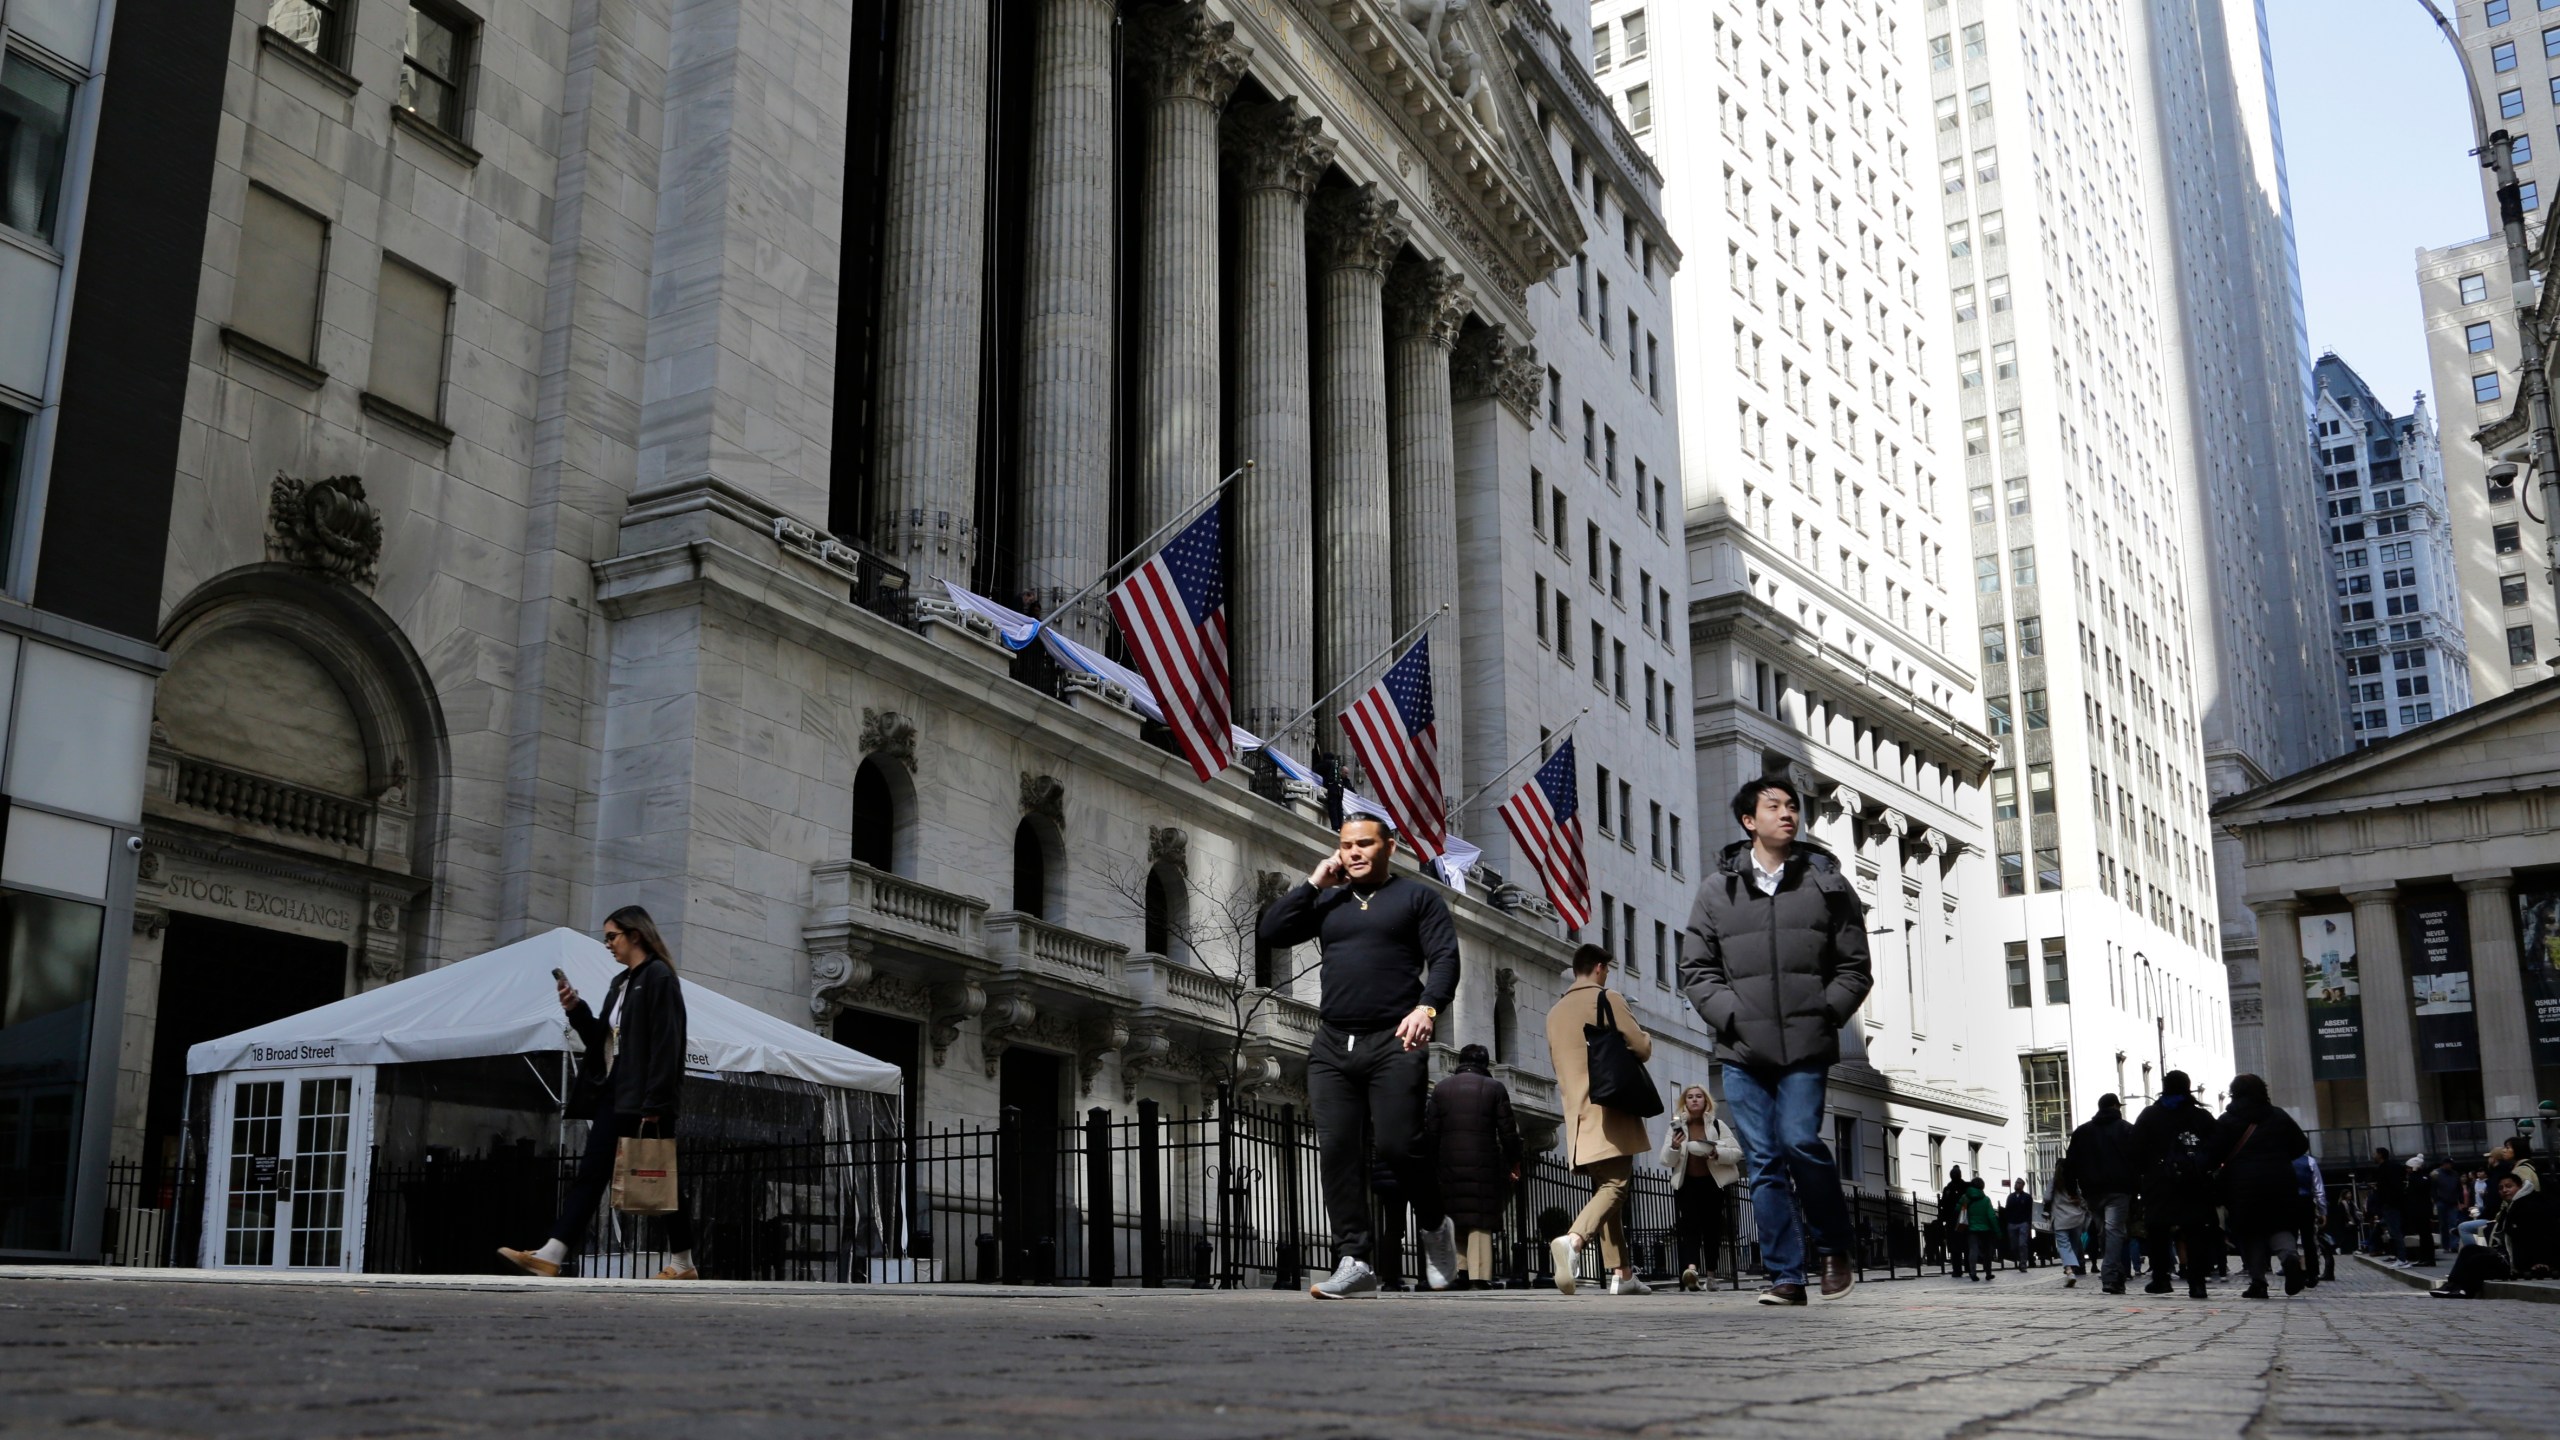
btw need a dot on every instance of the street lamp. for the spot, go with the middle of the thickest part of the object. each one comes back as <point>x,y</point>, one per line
<point>2495,149</point>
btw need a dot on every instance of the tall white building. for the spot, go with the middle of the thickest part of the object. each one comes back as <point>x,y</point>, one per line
<point>2467,296</point>
<point>2058,226</point>
<point>2398,603</point>
<point>1831,640</point>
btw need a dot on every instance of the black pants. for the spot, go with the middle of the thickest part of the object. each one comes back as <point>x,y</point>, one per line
<point>1367,1090</point>
<point>2473,1267</point>
<point>595,1177</point>
<point>1697,1222</point>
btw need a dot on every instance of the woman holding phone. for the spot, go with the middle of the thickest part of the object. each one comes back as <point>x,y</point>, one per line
<point>632,1073</point>
<point>1695,1147</point>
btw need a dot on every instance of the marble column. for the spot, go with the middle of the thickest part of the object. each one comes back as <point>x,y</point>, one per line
<point>1357,233</point>
<point>1192,64</point>
<point>1067,312</point>
<point>1278,155</point>
<point>1425,305</point>
<point>2382,981</point>
<point>1495,390</point>
<point>933,284</point>
<point>2497,996</point>
<point>2284,1010</point>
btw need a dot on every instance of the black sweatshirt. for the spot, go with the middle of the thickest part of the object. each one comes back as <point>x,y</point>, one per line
<point>1379,961</point>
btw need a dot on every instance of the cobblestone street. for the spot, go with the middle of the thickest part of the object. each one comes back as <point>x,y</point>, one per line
<point>2024,1357</point>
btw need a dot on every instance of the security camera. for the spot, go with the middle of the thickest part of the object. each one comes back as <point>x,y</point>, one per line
<point>133,843</point>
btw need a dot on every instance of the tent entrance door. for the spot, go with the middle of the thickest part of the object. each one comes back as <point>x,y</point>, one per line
<point>289,1152</point>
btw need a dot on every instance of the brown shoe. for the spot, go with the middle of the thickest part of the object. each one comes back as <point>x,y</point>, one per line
<point>1782,1295</point>
<point>528,1262</point>
<point>1837,1276</point>
<point>672,1273</point>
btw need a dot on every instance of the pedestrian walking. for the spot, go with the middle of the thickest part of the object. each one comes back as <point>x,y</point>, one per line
<point>1776,962</point>
<point>1600,1141</point>
<point>2068,1214</point>
<point>1982,1234</point>
<point>1703,1158</point>
<point>1951,1224</point>
<point>2174,1149</point>
<point>2018,1214</point>
<point>2385,1207</point>
<point>2104,1161</point>
<point>630,1079</point>
<point>2311,1197</point>
<point>1390,966</point>
<point>2258,1143</point>
<point>1474,1140</point>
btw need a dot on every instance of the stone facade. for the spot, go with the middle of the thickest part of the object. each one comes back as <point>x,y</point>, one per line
<point>621,637</point>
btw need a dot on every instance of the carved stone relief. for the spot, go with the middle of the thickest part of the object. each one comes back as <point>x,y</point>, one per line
<point>1044,796</point>
<point>889,734</point>
<point>326,527</point>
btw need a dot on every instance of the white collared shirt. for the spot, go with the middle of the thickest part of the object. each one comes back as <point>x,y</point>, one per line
<point>1766,881</point>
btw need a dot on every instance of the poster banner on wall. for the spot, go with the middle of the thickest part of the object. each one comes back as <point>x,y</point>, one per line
<point>2538,926</point>
<point>2437,934</point>
<point>2335,999</point>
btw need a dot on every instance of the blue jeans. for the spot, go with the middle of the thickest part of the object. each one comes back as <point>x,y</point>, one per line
<point>2114,1217</point>
<point>2065,1250</point>
<point>1778,1116</point>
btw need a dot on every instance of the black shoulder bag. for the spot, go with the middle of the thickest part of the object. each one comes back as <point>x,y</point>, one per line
<point>1618,1078</point>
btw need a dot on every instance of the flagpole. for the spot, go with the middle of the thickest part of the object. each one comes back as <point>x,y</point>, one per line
<point>1516,764</point>
<point>1392,646</point>
<point>1181,517</point>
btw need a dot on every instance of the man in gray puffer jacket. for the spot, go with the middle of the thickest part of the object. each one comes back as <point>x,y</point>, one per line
<point>1776,962</point>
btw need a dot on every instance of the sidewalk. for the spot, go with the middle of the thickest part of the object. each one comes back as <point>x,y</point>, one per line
<point>2545,1291</point>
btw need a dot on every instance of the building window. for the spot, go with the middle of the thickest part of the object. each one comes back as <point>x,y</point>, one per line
<point>1640,108</point>
<point>2506,538</point>
<point>432,66</point>
<point>2520,151</point>
<point>2493,12</point>
<point>2551,42</point>
<point>2057,972</point>
<point>2484,388</point>
<point>2529,195</point>
<point>1632,34</point>
<point>2033,703</point>
<point>1600,48</point>
<point>2519,644</point>
<point>35,127</point>
<point>2048,869</point>
<point>2475,288</point>
<point>2004,796</point>
<point>2004,360</point>
<point>2039,786</point>
<point>1564,628</point>
<point>2502,56</point>
<point>1986,574</point>
<point>409,324</point>
<point>1942,52</point>
<point>1655,817</point>
<point>2013,872</point>
<point>319,26</point>
<point>1959,239</point>
<point>1995,645</point>
<point>1555,400</point>
<point>2021,995</point>
<point>1997,709</point>
<point>2022,566</point>
<point>275,297</point>
<point>1590,437</point>
<point>1599,651</point>
<point>2030,636</point>
<point>1675,844</point>
<point>2479,336</point>
<point>2510,589</point>
<point>1978,99</point>
<point>2510,104</point>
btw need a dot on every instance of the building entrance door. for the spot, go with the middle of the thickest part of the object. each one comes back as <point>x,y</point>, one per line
<point>1032,1093</point>
<point>288,1169</point>
<point>218,978</point>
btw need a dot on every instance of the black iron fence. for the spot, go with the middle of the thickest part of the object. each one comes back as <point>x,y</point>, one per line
<point>1228,1197</point>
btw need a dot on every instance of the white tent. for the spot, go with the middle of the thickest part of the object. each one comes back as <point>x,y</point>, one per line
<point>504,1003</point>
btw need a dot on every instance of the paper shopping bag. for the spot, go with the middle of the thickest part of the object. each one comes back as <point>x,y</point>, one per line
<point>644,1175</point>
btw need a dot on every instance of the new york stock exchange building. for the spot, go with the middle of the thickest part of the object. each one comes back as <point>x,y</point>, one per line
<point>595,425</point>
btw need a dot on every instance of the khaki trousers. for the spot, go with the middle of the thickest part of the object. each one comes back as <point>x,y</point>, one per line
<point>1604,1217</point>
<point>1479,1255</point>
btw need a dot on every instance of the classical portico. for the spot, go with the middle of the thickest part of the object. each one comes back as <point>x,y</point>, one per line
<point>2408,912</point>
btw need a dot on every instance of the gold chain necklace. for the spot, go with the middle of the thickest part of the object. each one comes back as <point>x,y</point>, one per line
<point>1363,899</point>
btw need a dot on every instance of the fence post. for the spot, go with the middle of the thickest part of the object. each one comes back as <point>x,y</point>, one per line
<point>1291,1261</point>
<point>1150,1195</point>
<point>1226,1190</point>
<point>1102,1218</point>
<point>1009,1207</point>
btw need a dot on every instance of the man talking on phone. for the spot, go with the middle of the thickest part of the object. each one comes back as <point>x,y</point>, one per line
<point>1390,967</point>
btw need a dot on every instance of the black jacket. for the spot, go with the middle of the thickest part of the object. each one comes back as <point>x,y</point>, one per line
<point>1776,976</point>
<point>1468,1126</point>
<point>2174,1145</point>
<point>2527,1232</point>
<point>2258,1189</point>
<point>648,1067</point>
<point>1380,960</point>
<point>2018,1209</point>
<point>2103,1159</point>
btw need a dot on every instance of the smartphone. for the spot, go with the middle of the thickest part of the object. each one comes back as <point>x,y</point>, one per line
<point>557,975</point>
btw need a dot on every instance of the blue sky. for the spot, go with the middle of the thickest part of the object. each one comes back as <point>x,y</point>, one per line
<point>2376,142</point>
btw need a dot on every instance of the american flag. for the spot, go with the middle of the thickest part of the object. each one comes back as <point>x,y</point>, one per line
<point>1173,614</point>
<point>1391,731</point>
<point>1545,817</point>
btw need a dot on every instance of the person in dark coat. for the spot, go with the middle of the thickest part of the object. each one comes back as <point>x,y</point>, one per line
<point>1951,1226</point>
<point>2174,1151</point>
<point>2523,1243</point>
<point>1468,1127</point>
<point>2104,1159</point>
<point>2262,1205</point>
<point>636,1048</point>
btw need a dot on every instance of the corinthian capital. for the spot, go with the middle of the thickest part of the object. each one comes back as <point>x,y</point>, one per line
<point>1357,228</point>
<point>1477,367</point>
<point>1426,298</point>
<point>1188,55</point>
<point>1274,147</point>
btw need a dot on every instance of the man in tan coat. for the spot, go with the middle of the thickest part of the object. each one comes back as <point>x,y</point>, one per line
<point>1599,1141</point>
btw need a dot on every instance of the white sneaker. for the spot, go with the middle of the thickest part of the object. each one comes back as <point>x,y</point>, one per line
<point>1567,1250</point>
<point>1689,1278</point>
<point>1627,1285</point>
<point>1440,1255</point>
<point>1350,1279</point>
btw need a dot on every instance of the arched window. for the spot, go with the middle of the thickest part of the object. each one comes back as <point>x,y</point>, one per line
<point>1159,916</point>
<point>875,818</point>
<point>1030,870</point>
